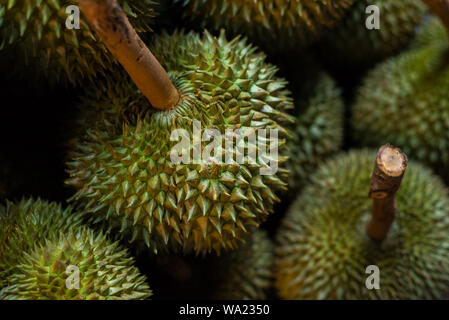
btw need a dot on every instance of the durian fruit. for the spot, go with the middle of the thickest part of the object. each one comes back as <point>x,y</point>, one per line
<point>105,270</point>
<point>274,24</point>
<point>405,101</point>
<point>122,168</point>
<point>34,32</point>
<point>40,241</point>
<point>352,44</point>
<point>318,132</point>
<point>322,249</point>
<point>27,222</point>
<point>245,273</point>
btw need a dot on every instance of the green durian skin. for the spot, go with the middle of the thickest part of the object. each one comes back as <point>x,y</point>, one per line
<point>122,169</point>
<point>405,101</point>
<point>273,24</point>
<point>245,273</point>
<point>106,270</point>
<point>39,240</point>
<point>26,223</point>
<point>351,44</point>
<point>322,250</point>
<point>34,32</point>
<point>318,132</point>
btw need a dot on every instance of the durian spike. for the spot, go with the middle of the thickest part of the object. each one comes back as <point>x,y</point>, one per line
<point>113,27</point>
<point>441,9</point>
<point>389,168</point>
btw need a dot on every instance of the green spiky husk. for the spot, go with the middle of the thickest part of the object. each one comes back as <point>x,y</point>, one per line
<point>318,132</point>
<point>28,222</point>
<point>106,271</point>
<point>352,44</point>
<point>246,273</point>
<point>39,240</point>
<point>124,174</point>
<point>34,32</point>
<point>404,101</point>
<point>322,248</point>
<point>275,24</point>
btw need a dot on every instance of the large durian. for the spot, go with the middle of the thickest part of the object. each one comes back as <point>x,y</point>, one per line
<point>274,24</point>
<point>40,241</point>
<point>122,169</point>
<point>318,131</point>
<point>323,250</point>
<point>352,44</point>
<point>405,101</point>
<point>34,32</point>
<point>245,273</point>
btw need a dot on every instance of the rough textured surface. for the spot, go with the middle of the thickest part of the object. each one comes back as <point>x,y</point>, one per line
<point>28,222</point>
<point>35,33</point>
<point>122,169</point>
<point>352,44</point>
<point>39,240</point>
<point>318,131</point>
<point>276,23</point>
<point>405,101</point>
<point>322,248</point>
<point>106,270</point>
<point>246,273</point>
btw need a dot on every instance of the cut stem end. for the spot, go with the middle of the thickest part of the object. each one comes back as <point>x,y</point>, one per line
<point>389,169</point>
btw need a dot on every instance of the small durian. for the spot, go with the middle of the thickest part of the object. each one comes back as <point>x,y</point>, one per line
<point>353,45</point>
<point>245,273</point>
<point>405,100</point>
<point>39,241</point>
<point>34,32</point>
<point>273,24</point>
<point>324,245</point>
<point>105,270</point>
<point>318,131</point>
<point>27,222</point>
<point>123,170</point>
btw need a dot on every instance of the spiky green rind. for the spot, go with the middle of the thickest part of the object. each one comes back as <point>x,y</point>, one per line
<point>405,101</point>
<point>106,271</point>
<point>276,23</point>
<point>318,132</point>
<point>35,33</point>
<point>124,174</point>
<point>28,222</point>
<point>322,249</point>
<point>246,273</point>
<point>352,44</point>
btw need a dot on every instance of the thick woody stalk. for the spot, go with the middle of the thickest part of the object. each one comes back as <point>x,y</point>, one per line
<point>441,9</point>
<point>109,21</point>
<point>386,179</point>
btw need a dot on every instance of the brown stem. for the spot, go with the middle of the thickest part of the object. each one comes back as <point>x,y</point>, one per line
<point>387,176</point>
<point>113,27</point>
<point>441,9</point>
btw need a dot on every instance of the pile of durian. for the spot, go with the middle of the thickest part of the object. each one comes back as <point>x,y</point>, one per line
<point>99,199</point>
